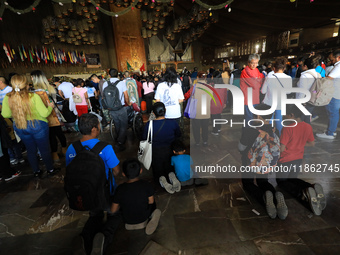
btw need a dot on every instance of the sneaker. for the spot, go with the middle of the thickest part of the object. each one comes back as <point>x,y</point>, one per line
<point>325,136</point>
<point>98,244</point>
<point>205,144</point>
<point>176,185</point>
<point>78,247</point>
<point>270,207</point>
<point>21,161</point>
<point>310,194</point>
<point>153,223</point>
<point>219,130</point>
<point>320,196</point>
<point>37,174</point>
<point>53,171</point>
<point>334,134</point>
<point>314,118</point>
<point>215,133</point>
<point>282,209</point>
<point>14,162</point>
<point>167,186</point>
<point>13,176</point>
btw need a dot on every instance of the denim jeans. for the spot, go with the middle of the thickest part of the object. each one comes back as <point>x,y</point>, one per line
<point>333,115</point>
<point>248,115</point>
<point>36,137</point>
<point>120,120</point>
<point>278,123</point>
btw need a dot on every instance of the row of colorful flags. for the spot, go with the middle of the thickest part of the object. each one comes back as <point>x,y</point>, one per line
<point>43,54</point>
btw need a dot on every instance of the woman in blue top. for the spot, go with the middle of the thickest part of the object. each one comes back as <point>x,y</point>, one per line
<point>165,131</point>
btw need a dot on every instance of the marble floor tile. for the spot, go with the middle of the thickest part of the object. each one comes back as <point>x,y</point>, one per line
<point>153,248</point>
<point>17,201</point>
<point>290,244</point>
<point>201,229</point>
<point>228,248</point>
<point>323,241</point>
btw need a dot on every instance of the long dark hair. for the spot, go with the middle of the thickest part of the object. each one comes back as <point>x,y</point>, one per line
<point>149,79</point>
<point>170,76</point>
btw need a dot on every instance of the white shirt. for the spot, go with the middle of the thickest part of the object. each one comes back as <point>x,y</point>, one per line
<point>328,70</point>
<point>306,81</point>
<point>169,96</point>
<point>272,84</point>
<point>335,74</point>
<point>66,88</point>
<point>90,91</point>
<point>121,87</point>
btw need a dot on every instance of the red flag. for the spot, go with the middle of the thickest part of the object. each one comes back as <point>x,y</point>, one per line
<point>142,69</point>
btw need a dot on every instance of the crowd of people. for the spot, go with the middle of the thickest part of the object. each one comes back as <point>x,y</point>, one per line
<point>36,114</point>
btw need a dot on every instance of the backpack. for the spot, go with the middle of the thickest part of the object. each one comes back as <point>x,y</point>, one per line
<point>76,97</point>
<point>86,185</point>
<point>321,91</point>
<point>111,99</point>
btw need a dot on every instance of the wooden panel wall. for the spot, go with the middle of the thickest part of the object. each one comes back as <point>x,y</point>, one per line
<point>129,43</point>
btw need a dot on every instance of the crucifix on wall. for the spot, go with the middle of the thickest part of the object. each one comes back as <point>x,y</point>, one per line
<point>133,50</point>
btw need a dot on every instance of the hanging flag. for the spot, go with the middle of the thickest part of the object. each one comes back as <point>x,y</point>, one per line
<point>32,50</point>
<point>142,69</point>
<point>60,55</point>
<point>14,54</point>
<point>64,56</point>
<point>20,53</point>
<point>69,56</point>
<point>30,55</point>
<point>37,54</point>
<point>74,57</point>
<point>10,51</point>
<point>23,51</point>
<point>84,57</point>
<point>128,66</point>
<point>7,53</point>
<point>55,59</point>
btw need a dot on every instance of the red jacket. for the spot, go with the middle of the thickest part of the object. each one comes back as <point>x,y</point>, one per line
<point>251,79</point>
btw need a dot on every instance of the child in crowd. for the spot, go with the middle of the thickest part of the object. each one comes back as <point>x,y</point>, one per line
<point>182,164</point>
<point>260,149</point>
<point>293,142</point>
<point>135,199</point>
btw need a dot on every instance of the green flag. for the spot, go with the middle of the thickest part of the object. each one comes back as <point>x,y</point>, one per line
<point>128,66</point>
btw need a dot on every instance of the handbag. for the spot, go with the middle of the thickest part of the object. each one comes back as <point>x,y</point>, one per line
<point>190,109</point>
<point>145,148</point>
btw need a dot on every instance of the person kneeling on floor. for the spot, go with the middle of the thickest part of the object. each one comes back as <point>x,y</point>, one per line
<point>182,164</point>
<point>135,199</point>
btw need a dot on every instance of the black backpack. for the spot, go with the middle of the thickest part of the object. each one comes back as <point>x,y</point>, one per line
<point>111,99</point>
<point>86,185</point>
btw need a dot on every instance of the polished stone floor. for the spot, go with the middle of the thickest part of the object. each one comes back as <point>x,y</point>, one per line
<point>213,219</point>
